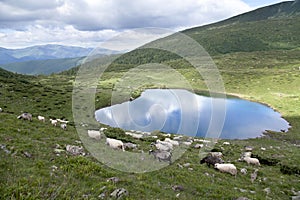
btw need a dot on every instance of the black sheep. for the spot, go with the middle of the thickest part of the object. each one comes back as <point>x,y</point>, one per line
<point>211,160</point>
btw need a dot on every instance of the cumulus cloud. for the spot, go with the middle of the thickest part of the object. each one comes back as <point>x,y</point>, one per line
<point>84,19</point>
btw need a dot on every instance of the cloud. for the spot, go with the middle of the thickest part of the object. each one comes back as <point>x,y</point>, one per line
<point>60,20</point>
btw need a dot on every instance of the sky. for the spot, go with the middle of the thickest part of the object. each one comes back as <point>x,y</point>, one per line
<point>89,23</point>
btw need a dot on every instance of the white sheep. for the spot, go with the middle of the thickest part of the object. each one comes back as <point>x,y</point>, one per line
<point>53,122</point>
<point>115,144</point>
<point>226,143</point>
<point>226,168</point>
<point>94,134</point>
<point>62,121</point>
<point>41,118</point>
<point>216,154</point>
<point>173,142</point>
<point>170,145</point>
<point>161,147</point>
<point>247,154</point>
<point>25,116</point>
<point>134,135</point>
<point>253,161</point>
<point>187,143</point>
<point>178,137</point>
<point>63,126</point>
<point>1,109</point>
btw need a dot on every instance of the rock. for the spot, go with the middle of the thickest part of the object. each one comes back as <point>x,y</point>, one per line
<point>179,165</point>
<point>263,149</point>
<point>242,198</point>
<point>113,179</point>
<point>28,155</point>
<point>118,193</point>
<point>177,188</point>
<point>177,195</point>
<point>58,150</point>
<point>187,164</point>
<point>243,171</point>
<point>102,195</point>
<point>242,190</point>
<point>248,148</point>
<point>206,174</point>
<point>226,143</point>
<point>190,169</point>
<point>75,150</point>
<point>267,190</point>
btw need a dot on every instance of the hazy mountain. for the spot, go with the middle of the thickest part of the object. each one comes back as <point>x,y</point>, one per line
<point>43,52</point>
<point>46,67</point>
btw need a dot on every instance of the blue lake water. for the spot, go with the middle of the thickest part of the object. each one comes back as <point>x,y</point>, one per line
<point>182,112</point>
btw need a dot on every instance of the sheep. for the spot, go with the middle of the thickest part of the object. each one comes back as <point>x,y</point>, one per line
<point>94,134</point>
<point>187,143</point>
<point>62,121</point>
<point>1,109</point>
<point>115,144</point>
<point>173,142</point>
<point>161,146</point>
<point>253,161</point>
<point>216,154</point>
<point>53,122</point>
<point>248,148</point>
<point>63,126</point>
<point>253,175</point>
<point>25,116</point>
<point>161,155</point>
<point>134,135</point>
<point>246,154</point>
<point>226,143</point>
<point>211,160</point>
<point>130,145</point>
<point>41,118</point>
<point>178,137</point>
<point>170,145</point>
<point>226,168</point>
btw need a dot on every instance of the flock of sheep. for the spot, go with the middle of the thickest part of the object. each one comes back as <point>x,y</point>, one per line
<point>163,149</point>
<point>54,122</point>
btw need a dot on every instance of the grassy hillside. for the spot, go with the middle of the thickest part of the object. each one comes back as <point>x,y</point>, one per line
<point>273,27</point>
<point>48,175</point>
<point>32,168</point>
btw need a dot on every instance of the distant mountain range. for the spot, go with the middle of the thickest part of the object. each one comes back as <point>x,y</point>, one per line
<point>41,52</point>
<point>45,59</point>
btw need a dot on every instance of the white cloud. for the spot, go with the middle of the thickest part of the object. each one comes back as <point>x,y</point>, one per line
<point>88,22</point>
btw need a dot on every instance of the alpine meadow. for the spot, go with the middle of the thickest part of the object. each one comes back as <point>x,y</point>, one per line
<point>258,56</point>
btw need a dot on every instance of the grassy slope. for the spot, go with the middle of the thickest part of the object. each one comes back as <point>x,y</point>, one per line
<point>79,177</point>
<point>271,77</point>
<point>45,67</point>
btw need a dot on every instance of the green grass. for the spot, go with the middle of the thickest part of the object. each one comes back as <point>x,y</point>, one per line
<point>268,77</point>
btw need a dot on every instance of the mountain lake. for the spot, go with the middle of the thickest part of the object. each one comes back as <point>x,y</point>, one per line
<point>179,111</point>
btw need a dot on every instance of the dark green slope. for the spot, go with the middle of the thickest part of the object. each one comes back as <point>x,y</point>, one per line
<point>274,27</point>
<point>45,67</point>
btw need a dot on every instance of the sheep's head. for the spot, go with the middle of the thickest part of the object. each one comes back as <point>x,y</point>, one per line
<point>216,165</point>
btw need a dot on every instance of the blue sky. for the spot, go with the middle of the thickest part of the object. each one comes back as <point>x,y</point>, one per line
<point>89,23</point>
